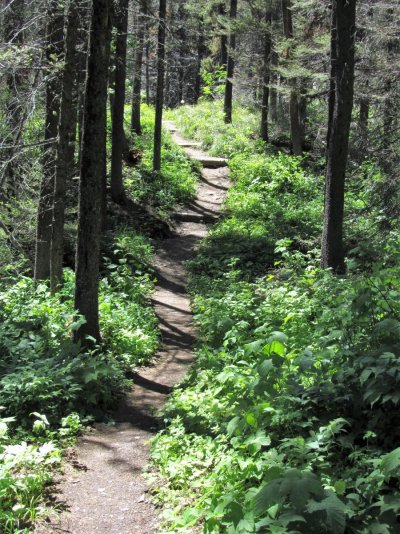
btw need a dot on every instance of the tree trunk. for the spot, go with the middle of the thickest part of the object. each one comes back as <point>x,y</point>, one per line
<point>160,86</point>
<point>302,103</point>
<point>363,120</point>
<point>388,116</point>
<point>266,78</point>
<point>65,148</point>
<point>223,51</point>
<point>104,151</point>
<point>273,106</point>
<point>118,134</point>
<point>91,176</point>
<point>294,102</point>
<point>332,81</point>
<point>13,35</point>
<point>200,53</point>
<point>54,51</point>
<point>137,80</point>
<point>147,66</point>
<point>82,55</point>
<point>181,52</point>
<point>230,65</point>
<point>344,16</point>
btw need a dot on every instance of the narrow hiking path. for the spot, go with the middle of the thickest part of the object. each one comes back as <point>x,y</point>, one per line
<point>103,489</point>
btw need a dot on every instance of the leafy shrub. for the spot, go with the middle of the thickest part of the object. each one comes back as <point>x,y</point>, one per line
<point>289,420</point>
<point>272,199</point>
<point>176,182</point>
<point>42,370</point>
<point>26,468</point>
<point>127,321</point>
<point>317,397</point>
<point>205,123</point>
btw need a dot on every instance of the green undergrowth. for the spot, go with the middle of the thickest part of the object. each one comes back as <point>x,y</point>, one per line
<point>176,182</point>
<point>289,420</point>
<point>161,192</point>
<point>205,123</point>
<point>49,388</point>
<point>277,196</point>
<point>47,381</point>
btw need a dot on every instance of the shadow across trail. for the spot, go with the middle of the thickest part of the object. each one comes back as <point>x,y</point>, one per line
<point>110,496</point>
<point>150,384</point>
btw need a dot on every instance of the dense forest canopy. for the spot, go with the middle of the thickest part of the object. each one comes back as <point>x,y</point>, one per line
<point>288,421</point>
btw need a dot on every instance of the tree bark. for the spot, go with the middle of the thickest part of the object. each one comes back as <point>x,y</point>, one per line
<point>91,176</point>
<point>136,125</point>
<point>273,91</point>
<point>266,78</point>
<point>81,80</point>
<point>147,66</point>
<point>160,86</point>
<point>294,103</point>
<point>223,46</point>
<point>14,36</point>
<point>363,119</point>
<point>54,51</point>
<point>332,81</point>
<point>230,65</point>
<point>65,147</point>
<point>181,55</point>
<point>119,148</point>
<point>200,54</point>
<point>344,16</point>
<point>388,116</point>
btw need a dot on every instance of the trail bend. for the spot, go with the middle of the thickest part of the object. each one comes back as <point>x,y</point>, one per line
<point>102,489</point>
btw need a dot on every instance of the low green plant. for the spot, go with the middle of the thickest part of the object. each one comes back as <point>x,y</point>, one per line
<point>288,421</point>
<point>176,182</point>
<point>205,123</point>
<point>49,385</point>
<point>213,78</point>
<point>42,370</point>
<point>25,470</point>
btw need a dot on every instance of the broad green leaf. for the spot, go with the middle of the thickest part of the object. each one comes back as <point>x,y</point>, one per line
<point>233,425</point>
<point>254,347</point>
<point>78,323</point>
<point>391,462</point>
<point>340,487</point>
<point>257,440</point>
<point>234,513</point>
<point>335,512</point>
<point>274,347</point>
<point>251,420</point>
<point>267,496</point>
<point>387,326</point>
<point>378,528</point>
<point>265,367</point>
<point>278,336</point>
<point>289,517</point>
<point>299,487</point>
<point>273,473</point>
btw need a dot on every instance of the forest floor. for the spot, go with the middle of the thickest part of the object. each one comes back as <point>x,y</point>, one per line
<point>102,489</point>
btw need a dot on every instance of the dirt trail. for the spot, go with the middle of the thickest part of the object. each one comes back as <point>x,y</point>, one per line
<point>103,490</point>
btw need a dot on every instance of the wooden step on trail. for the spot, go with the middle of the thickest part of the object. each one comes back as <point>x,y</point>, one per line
<point>200,218</point>
<point>189,144</point>
<point>193,149</point>
<point>208,162</point>
<point>170,126</point>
